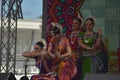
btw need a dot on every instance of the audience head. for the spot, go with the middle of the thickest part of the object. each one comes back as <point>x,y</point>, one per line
<point>24,78</point>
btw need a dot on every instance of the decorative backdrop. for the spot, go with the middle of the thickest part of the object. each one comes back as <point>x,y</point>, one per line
<point>62,12</point>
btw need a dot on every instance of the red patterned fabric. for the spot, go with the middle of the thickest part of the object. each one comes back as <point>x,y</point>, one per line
<point>47,76</point>
<point>63,12</point>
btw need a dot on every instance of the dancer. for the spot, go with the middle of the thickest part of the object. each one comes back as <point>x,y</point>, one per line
<point>60,50</point>
<point>77,28</point>
<point>90,42</point>
<point>43,61</point>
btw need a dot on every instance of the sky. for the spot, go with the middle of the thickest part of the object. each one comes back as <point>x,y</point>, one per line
<point>31,9</point>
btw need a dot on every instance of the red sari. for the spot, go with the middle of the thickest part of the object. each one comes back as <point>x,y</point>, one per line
<point>66,67</point>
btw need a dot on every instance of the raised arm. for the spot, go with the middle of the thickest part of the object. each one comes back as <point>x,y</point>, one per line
<point>99,39</point>
<point>29,54</point>
<point>50,53</point>
<point>50,47</point>
<point>68,49</point>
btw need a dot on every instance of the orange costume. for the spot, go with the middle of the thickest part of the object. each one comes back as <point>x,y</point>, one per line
<point>66,66</point>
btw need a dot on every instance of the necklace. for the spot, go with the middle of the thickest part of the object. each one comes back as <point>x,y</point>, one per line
<point>74,36</point>
<point>87,38</point>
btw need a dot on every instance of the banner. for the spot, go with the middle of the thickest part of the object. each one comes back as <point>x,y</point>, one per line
<point>62,12</point>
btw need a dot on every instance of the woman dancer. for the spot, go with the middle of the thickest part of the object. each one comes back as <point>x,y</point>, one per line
<point>60,50</point>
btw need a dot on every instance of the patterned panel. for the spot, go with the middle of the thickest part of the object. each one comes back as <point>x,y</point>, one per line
<point>63,12</point>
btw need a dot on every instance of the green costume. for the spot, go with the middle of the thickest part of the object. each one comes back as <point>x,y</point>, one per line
<point>90,63</point>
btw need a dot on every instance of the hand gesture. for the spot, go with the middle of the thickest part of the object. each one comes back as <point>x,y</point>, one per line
<point>99,31</point>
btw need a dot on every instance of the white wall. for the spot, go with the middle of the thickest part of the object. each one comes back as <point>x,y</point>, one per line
<point>28,33</point>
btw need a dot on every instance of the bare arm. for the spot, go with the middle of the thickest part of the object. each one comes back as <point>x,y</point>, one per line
<point>49,52</point>
<point>28,54</point>
<point>68,53</point>
<point>45,65</point>
<point>100,33</point>
<point>99,39</point>
<point>68,49</point>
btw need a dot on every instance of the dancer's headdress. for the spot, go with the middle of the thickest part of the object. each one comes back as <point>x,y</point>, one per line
<point>56,28</point>
<point>41,43</point>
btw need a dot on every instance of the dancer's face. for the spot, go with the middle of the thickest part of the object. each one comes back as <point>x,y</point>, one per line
<point>75,24</point>
<point>89,25</point>
<point>37,48</point>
